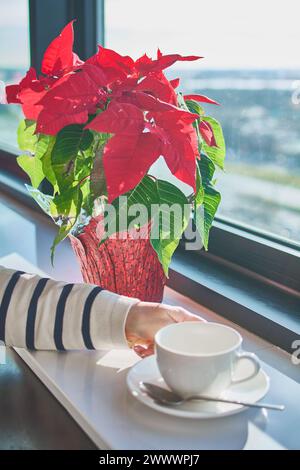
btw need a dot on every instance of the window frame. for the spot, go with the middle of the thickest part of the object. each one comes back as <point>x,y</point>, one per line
<point>277,260</point>
<point>264,255</point>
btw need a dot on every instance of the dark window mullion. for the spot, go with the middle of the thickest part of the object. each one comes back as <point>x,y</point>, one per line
<point>85,26</point>
<point>101,22</point>
<point>48,17</point>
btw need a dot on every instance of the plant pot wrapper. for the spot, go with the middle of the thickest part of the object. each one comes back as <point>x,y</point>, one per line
<point>126,266</point>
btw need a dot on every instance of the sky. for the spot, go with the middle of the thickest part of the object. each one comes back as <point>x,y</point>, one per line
<point>14,34</point>
<point>229,33</point>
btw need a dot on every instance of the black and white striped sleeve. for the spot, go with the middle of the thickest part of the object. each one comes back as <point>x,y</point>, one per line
<point>40,313</point>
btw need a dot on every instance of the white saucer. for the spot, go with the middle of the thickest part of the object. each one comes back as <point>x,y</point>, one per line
<point>251,390</point>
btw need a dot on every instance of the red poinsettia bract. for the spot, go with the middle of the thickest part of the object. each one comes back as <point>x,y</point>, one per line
<point>109,93</point>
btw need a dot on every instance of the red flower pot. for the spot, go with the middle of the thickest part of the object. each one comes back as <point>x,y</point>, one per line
<point>126,266</point>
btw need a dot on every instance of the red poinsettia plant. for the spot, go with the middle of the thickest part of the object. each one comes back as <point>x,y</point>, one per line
<point>93,129</point>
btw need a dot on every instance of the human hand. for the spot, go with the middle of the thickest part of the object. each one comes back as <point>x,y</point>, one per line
<point>146,318</point>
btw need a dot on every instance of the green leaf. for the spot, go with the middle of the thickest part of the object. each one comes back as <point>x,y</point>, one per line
<point>204,215</point>
<point>144,193</point>
<point>195,107</point>
<point>207,169</point>
<point>40,146</point>
<point>63,232</point>
<point>167,223</point>
<point>86,140</point>
<point>33,167</point>
<point>43,200</point>
<point>207,198</point>
<point>87,200</point>
<point>216,154</point>
<point>43,143</point>
<point>98,181</point>
<point>199,196</point>
<point>29,122</point>
<point>69,142</point>
<point>47,162</point>
<point>65,208</point>
<point>66,204</point>
<point>83,166</point>
<point>64,174</point>
<point>27,140</point>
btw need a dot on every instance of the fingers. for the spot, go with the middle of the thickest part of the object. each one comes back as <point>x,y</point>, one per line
<point>143,351</point>
<point>142,348</point>
<point>179,314</point>
<point>146,318</point>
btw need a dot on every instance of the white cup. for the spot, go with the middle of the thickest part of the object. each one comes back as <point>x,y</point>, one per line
<point>198,357</point>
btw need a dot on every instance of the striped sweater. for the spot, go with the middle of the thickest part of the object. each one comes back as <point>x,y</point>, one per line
<point>40,313</point>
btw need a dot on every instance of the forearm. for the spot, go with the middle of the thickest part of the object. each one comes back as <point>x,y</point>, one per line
<point>39,313</point>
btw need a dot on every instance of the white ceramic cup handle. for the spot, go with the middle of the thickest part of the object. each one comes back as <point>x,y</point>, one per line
<point>242,356</point>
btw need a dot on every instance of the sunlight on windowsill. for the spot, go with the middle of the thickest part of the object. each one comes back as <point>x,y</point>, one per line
<point>119,359</point>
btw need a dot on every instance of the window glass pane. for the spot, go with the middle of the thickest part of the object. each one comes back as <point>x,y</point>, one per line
<point>251,66</point>
<point>14,60</point>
